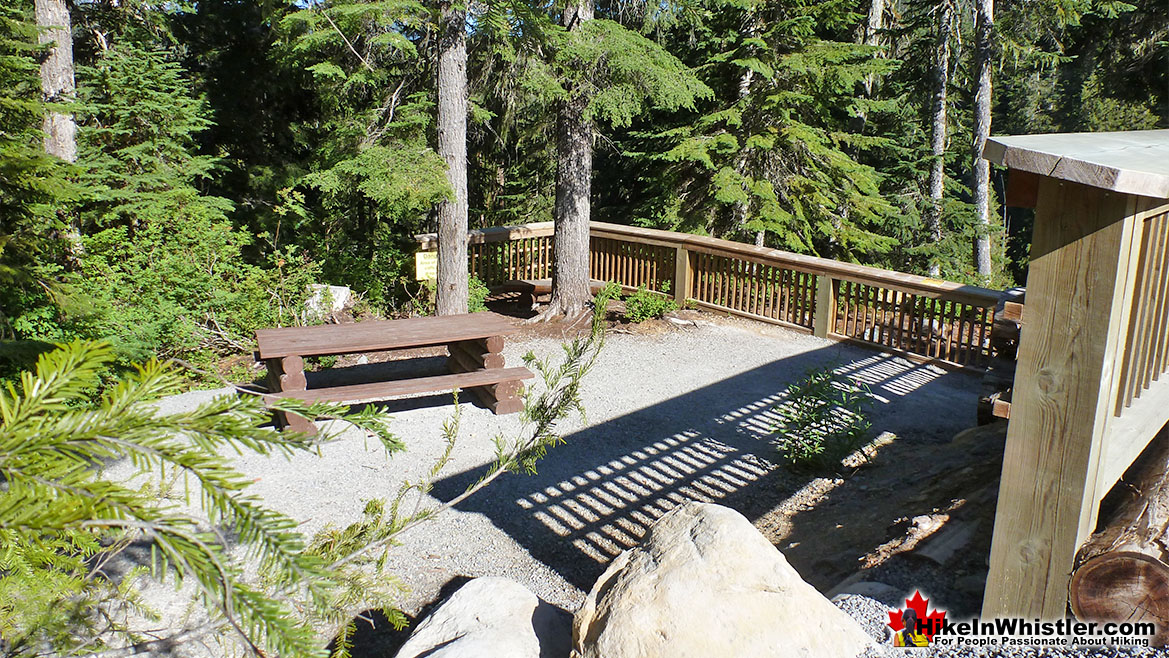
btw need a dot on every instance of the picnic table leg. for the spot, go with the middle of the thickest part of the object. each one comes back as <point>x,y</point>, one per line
<point>471,355</point>
<point>287,374</point>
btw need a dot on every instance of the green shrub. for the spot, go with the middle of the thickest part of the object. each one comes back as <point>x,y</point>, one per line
<point>427,298</point>
<point>477,293</point>
<point>823,421</point>
<point>643,305</point>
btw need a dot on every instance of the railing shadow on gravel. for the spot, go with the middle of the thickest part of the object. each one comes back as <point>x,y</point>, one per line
<point>638,466</point>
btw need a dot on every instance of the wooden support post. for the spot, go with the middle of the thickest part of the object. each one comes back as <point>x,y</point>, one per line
<point>485,354</point>
<point>682,276</point>
<point>287,374</point>
<point>824,318</point>
<point>1081,258</point>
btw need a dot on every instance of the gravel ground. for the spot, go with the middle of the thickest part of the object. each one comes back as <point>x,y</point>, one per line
<point>673,416</point>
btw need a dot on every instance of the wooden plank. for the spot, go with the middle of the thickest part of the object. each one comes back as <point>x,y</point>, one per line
<point>1161,325</point>
<point>682,276</point>
<point>1150,303</point>
<point>292,374</point>
<point>429,241</point>
<point>723,279</point>
<point>377,336</point>
<point>825,317</point>
<point>1013,311</point>
<point>383,390</point>
<point>937,327</point>
<point>809,298</point>
<point>776,293</point>
<point>951,329</point>
<point>1001,409</point>
<point>899,321</point>
<point>1130,433</point>
<point>864,302</point>
<point>737,285</point>
<point>473,356</point>
<point>785,289</point>
<point>1137,353</point>
<point>1133,162</point>
<point>752,288</point>
<point>804,297</point>
<point>1080,254</point>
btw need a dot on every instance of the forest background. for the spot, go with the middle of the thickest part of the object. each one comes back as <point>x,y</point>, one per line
<point>228,153</point>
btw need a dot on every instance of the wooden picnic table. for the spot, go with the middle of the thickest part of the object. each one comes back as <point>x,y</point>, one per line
<point>474,342</point>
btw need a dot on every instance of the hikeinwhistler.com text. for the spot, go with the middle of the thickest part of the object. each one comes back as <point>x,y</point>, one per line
<point>1013,631</point>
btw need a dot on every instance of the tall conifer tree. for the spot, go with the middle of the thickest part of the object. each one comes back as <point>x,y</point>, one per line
<point>452,148</point>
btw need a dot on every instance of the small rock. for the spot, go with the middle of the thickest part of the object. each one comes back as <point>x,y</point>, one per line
<point>491,618</point>
<point>705,583</point>
<point>362,360</point>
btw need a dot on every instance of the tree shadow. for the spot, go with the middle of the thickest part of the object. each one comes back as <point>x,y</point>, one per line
<point>595,496</point>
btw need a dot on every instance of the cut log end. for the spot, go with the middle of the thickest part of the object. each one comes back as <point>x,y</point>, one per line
<point>1123,586</point>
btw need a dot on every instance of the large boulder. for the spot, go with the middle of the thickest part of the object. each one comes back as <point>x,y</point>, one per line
<point>491,618</point>
<point>705,583</point>
<point>324,300</point>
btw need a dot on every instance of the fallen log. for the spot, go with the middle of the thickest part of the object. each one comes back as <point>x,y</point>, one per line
<point>1122,571</point>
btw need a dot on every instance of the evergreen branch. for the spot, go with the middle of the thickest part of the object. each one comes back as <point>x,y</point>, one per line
<point>345,38</point>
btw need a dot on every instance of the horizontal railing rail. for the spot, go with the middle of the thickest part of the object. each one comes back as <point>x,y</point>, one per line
<point>918,317</point>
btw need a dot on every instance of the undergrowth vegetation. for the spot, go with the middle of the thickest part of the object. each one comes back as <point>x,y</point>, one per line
<point>643,305</point>
<point>823,419</point>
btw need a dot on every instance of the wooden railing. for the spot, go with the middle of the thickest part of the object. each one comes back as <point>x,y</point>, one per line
<point>1140,397</point>
<point>1144,357</point>
<point>923,319</point>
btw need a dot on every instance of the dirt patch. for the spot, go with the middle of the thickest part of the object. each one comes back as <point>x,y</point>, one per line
<point>915,516</point>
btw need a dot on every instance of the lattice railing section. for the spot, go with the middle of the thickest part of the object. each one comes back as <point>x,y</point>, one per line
<point>524,258</point>
<point>921,318</point>
<point>950,330</point>
<point>632,264</point>
<point>1146,355</point>
<point>753,288</point>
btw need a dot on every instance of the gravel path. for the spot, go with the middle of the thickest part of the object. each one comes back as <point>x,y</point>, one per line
<point>674,416</point>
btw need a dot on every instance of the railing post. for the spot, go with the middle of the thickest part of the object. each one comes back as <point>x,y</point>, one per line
<point>682,276</point>
<point>824,318</point>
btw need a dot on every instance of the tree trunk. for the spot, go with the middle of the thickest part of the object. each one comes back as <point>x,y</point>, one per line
<point>452,147</point>
<point>57,83</point>
<point>984,29</point>
<point>741,209</point>
<point>871,37</point>
<point>58,86</point>
<point>938,133</point>
<point>574,168</point>
<point>1122,572</point>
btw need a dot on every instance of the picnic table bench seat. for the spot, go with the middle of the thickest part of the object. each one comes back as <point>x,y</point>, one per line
<point>474,342</point>
<point>533,290</point>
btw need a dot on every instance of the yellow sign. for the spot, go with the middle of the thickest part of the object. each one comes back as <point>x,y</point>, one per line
<point>425,265</point>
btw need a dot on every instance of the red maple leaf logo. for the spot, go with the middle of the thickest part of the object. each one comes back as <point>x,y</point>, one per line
<point>931,620</point>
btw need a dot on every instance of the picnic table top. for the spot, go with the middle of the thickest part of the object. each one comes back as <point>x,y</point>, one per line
<point>379,335</point>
